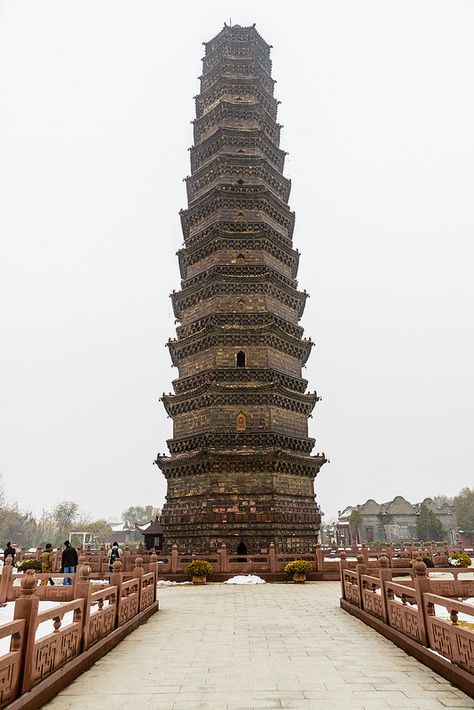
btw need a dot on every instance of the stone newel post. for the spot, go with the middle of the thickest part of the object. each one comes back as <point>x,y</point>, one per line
<point>153,567</point>
<point>273,560</point>
<point>319,558</point>
<point>361,569</point>
<point>385,575</point>
<point>6,580</point>
<point>174,559</point>
<point>138,574</point>
<point>116,581</point>
<point>26,607</point>
<point>83,590</point>
<point>422,586</point>
<point>343,565</point>
<point>223,558</point>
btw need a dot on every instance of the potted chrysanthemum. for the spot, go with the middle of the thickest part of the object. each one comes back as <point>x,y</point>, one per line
<point>459,559</point>
<point>298,570</point>
<point>199,570</point>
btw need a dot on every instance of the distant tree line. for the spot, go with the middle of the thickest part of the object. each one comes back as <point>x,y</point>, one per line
<point>464,507</point>
<point>24,529</point>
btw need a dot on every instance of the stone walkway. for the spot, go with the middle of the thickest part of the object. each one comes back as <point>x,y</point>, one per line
<point>223,647</point>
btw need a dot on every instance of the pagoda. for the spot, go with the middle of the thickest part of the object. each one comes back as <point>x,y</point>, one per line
<point>240,469</point>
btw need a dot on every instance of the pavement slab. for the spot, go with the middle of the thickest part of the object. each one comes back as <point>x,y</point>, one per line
<point>226,647</point>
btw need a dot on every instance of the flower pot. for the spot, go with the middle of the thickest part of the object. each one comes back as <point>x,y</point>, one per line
<point>299,578</point>
<point>199,579</point>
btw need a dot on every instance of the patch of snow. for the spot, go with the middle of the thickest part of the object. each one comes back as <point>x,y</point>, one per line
<point>169,583</point>
<point>245,579</point>
<point>442,613</point>
<point>47,627</point>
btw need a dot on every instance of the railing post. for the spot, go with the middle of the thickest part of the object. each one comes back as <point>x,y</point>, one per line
<point>343,564</point>
<point>273,560</point>
<point>385,575</point>
<point>82,590</point>
<point>422,586</point>
<point>126,557</point>
<point>319,558</point>
<point>138,574</point>
<point>361,568</point>
<point>174,559</point>
<point>102,559</point>
<point>6,580</point>
<point>153,567</point>
<point>220,558</point>
<point>390,553</point>
<point>26,607</point>
<point>116,579</point>
<point>224,558</point>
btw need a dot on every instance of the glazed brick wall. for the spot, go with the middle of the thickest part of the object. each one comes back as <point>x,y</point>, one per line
<point>191,488</point>
<point>288,422</point>
<point>199,310</point>
<point>284,363</point>
<point>259,418</point>
<point>253,302</point>
<point>224,303</point>
<point>225,491</point>
<point>216,491</point>
<point>220,419</point>
<point>275,306</point>
<point>288,485</point>
<point>192,422</point>
<point>255,356</point>
<point>229,256</point>
<point>205,360</point>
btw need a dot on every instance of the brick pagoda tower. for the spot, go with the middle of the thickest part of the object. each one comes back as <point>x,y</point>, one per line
<point>240,469</point>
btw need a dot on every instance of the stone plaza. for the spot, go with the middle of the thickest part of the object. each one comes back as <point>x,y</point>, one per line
<point>223,647</point>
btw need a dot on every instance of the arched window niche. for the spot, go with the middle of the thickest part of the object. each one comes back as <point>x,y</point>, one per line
<point>241,422</point>
<point>240,359</point>
<point>241,305</point>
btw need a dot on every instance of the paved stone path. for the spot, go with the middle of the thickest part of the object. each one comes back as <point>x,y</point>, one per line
<point>223,647</point>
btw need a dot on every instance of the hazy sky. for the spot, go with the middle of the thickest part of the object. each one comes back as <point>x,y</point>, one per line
<point>95,110</point>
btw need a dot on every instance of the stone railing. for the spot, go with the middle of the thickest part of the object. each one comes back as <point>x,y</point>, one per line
<point>48,648</point>
<point>435,551</point>
<point>413,615</point>
<point>325,560</point>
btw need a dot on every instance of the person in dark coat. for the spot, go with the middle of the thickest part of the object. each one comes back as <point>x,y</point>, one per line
<point>69,560</point>
<point>9,551</point>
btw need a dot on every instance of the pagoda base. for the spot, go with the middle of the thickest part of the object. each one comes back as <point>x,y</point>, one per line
<point>250,538</point>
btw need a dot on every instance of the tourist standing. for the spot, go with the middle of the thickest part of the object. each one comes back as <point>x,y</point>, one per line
<point>68,561</point>
<point>47,563</point>
<point>113,554</point>
<point>9,551</point>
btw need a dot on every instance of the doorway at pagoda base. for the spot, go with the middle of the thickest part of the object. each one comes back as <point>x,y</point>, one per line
<point>241,550</point>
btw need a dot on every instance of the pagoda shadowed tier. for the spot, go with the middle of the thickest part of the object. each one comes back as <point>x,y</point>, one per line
<point>240,469</point>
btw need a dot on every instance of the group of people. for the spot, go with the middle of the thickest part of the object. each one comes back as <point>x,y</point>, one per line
<point>69,559</point>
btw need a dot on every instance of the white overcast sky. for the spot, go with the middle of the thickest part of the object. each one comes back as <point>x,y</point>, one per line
<point>95,110</point>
